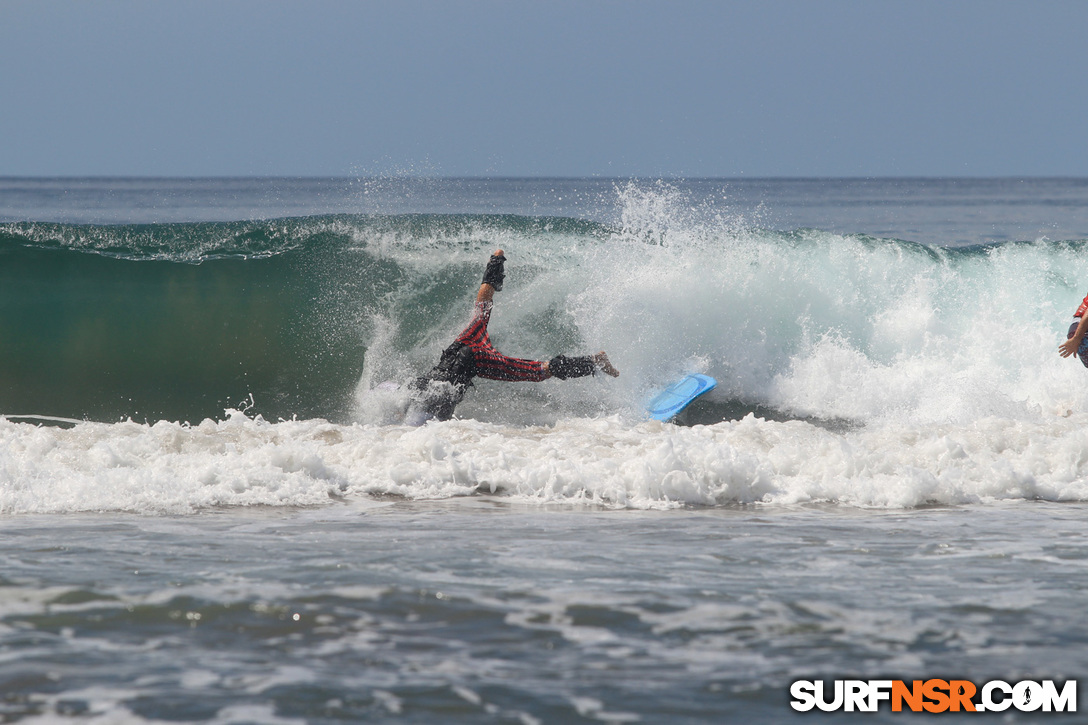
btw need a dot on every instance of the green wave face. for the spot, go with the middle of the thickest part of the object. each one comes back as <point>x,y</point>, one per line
<point>87,335</point>
<point>180,321</point>
<point>293,317</point>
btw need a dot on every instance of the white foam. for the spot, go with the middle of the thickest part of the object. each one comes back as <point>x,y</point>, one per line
<point>946,362</point>
<point>172,468</point>
<point>825,325</point>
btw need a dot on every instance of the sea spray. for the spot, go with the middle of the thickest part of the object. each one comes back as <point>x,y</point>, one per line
<point>862,370</point>
<point>907,499</point>
<point>170,468</point>
<point>806,322</point>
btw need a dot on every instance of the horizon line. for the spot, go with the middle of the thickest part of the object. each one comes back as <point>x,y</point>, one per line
<point>472,177</point>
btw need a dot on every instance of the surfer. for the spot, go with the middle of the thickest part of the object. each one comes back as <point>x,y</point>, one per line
<point>1076,342</point>
<point>437,393</point>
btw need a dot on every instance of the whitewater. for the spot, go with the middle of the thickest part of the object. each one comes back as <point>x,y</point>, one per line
<point>201,482</point>
<point>853,369</point>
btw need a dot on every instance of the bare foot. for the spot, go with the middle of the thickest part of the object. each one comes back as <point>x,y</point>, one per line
<point>602,362</point>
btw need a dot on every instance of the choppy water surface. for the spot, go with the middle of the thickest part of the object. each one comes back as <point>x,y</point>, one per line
<point>476,610</point>
<point>210,514</point>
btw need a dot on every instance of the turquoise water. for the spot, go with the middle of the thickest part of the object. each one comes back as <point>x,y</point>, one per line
<point>209,516</point>
<point>180,320</point>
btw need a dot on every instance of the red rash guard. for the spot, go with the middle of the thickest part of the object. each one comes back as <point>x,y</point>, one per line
<point>1082,309</point>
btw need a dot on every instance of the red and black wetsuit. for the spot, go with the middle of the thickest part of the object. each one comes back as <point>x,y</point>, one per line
<point>438,392</point>
<point>471,354</point>
<point>489,362</point>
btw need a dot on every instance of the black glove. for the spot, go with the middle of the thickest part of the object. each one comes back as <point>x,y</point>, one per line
<point>494,273</point>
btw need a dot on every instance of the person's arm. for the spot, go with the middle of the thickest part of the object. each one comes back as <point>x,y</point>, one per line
<point>1069,347</point>
<point>493,277</point>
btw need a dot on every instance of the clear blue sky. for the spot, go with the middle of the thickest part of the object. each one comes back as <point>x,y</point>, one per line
<point>544,88</point>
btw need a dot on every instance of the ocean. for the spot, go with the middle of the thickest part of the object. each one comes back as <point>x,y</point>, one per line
<point>211,515</point>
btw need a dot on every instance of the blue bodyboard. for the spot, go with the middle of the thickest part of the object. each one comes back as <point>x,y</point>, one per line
<point>677,396</point>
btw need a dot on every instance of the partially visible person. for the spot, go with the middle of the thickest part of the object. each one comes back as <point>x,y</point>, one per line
<point>1075,342</point>
<point>436,394</point>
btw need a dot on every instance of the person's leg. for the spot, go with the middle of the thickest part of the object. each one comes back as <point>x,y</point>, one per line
<point>485,294</point>
<point>476,332</point>
<point>605,365</point>
<point>493,365</point>
<point>563,367</point>
<point>493,277</point>
<point>475,335</point>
